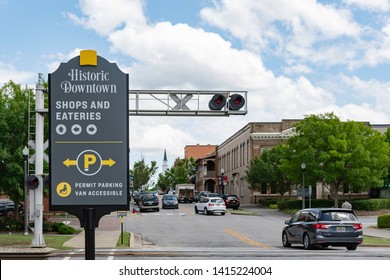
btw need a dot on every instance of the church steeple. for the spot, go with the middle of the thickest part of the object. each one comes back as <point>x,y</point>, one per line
<point>165,162</point>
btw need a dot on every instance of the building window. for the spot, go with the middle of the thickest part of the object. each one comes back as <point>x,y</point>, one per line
<point>247,152</point>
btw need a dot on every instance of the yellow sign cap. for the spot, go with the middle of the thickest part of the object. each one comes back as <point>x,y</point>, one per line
<point>88,57</point>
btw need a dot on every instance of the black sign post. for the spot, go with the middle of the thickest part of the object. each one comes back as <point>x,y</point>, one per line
<point>89,159</point>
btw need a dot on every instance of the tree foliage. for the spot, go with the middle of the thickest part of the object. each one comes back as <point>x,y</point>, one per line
<point>180,173</point>
<point>142,173</point>
<point>13,138</point>
<point>265,170</point>
<point>342,156</point>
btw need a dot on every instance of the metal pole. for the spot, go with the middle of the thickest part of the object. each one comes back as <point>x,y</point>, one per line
<point>304,191</point>
<point>122,230</point>
<point>25,198</point>
<point>38,240</point>
<point>89,228</point>
<point>303,167</point>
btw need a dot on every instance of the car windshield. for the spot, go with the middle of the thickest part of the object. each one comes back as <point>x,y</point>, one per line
<point>216,200</point>
<point>337,216</point>
<point>231,197</point>
<point>169,197</point>
<point>149,197</point>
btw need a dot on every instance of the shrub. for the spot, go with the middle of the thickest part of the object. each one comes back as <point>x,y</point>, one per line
<point>268,201</point>
<point>65,229</point>
<point>10,223</point>
<point>373,204</point>
<point>384,221</point>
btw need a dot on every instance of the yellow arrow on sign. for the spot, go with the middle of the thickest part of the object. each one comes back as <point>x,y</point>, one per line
<point>68,162</point>
<point>110,162</point>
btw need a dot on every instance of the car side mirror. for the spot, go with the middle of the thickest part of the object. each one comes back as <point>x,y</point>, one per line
<point>287,222</point>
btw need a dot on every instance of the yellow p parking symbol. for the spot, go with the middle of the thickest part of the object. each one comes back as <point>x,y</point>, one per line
<point>88,162</point>
<point>89,159</point>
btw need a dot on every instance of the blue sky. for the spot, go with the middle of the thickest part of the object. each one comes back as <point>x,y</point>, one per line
<point>293,57</point>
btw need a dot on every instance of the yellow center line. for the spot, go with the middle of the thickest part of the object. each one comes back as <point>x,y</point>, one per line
<point>246,239</point>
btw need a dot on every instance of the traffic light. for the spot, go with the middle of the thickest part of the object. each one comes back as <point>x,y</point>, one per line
<point>217,102</point>
<point>32,182</point>
<point>236,102</point>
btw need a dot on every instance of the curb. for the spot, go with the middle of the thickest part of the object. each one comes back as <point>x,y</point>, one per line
<point>135,241</point>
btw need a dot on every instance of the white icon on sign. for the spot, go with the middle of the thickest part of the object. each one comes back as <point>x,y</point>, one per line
<point>91,129</point>
<point>76,129</point>
<point>61,129</point>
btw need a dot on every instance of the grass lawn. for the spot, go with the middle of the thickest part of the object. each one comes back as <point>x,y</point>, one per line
<point>56,241</point>
<point>371,240</point>
<point>17,239</point>
<point>126,240</point>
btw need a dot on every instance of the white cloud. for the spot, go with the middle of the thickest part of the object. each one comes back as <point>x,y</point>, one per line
<point>179,56</point>
<point>8,72</point>
<point>374,5</point>
<point>104,17</point>
<point>298,69</point>
<point>370,92</point>
<point>379,51</point>
<point>305,21</point>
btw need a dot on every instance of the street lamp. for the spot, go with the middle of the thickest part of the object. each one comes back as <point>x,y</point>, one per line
<point>25,156</point>
<point>303,166</point>
<point>222,184</point>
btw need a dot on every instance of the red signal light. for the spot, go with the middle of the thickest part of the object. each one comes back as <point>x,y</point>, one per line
<point>236,102</point>
<point>32,182</point>
<point>217,102</point>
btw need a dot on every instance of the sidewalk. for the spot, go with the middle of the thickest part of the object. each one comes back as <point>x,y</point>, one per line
<point>106,235</point>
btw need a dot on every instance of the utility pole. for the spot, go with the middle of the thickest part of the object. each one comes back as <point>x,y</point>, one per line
<point>38,240</point>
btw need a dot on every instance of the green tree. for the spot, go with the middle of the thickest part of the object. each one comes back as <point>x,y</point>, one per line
<point>180,173</point>
<point>142,173</point>
<point>13,138</point>
<point>254,173</point>
<point>265,170</point>
<point>386,178</point>
<point>342,156</point>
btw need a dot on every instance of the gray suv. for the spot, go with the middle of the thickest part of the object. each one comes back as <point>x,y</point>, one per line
<point>323,227</point>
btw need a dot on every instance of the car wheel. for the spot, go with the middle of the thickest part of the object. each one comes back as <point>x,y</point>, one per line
<point>285,240</point>
<point>352,247</point>
<point>158,209</point>
<point>306,242</point>
<point>196,210</point>
<point>205,212</point>
<point>223,214</point>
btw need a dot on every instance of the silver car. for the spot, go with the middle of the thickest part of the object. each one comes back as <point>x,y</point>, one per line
<point>210,205</point>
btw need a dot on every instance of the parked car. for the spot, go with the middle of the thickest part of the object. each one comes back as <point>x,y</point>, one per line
<point>323,227</point>
<point>149,202</point>
<point>201,194</point>
<point>169,201</point>
<point>210,205</point>
<point>7,207</point>
<point>231,200</point>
